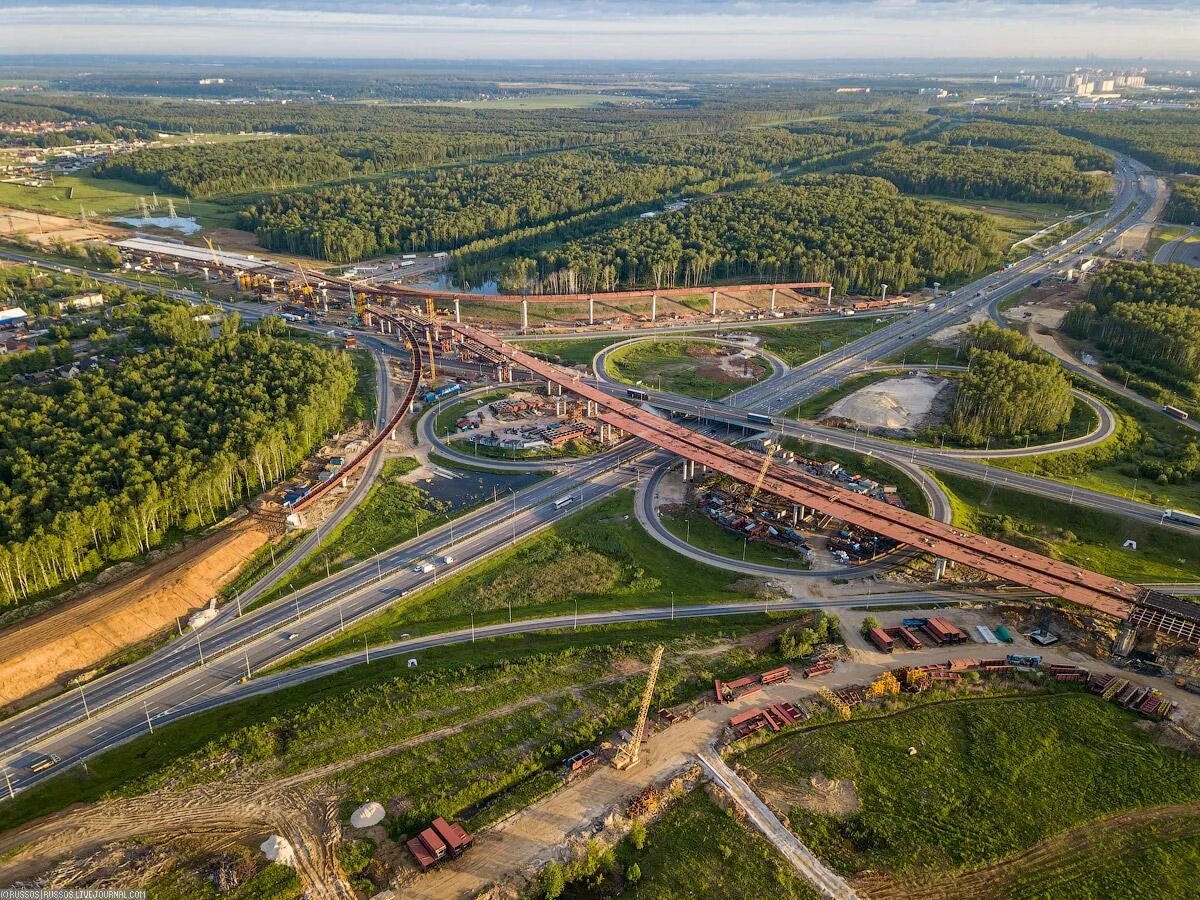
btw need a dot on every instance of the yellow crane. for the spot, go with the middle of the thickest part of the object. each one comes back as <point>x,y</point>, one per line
<point>772,447</point>
<point>628,754</point>
<point>216,261</point>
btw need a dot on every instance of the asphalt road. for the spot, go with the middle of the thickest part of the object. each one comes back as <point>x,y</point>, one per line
<point>119,704</point>
<point>204,670</point>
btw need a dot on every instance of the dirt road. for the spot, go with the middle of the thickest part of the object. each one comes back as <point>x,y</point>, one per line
<point>824,879</point>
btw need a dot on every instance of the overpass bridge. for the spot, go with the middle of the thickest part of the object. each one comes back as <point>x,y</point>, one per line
<point>1103,594</point>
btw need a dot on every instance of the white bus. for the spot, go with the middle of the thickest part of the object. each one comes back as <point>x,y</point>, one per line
<point>563,501</point>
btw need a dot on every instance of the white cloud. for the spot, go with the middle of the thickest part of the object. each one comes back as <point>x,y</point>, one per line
<point>606,29</point>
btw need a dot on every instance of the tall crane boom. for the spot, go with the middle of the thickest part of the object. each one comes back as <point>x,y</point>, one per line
<point>628,754</point>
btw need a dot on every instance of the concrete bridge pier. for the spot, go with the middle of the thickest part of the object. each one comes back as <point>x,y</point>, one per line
<point>772,299</point>
<point>714,303</point>
<point>653,307</point>
<point>829,297</point>
<point>591,310</point>
<point>524,316</point>
<point>939,569</point>
<point>457,311</point>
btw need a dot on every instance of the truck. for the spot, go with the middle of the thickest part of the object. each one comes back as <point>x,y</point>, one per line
<point>1183,518</point>
<point>1031,662</point>
<point>423,568</point>
<point>759,419</point>
<point>44,761</point>
<point>636,394</point>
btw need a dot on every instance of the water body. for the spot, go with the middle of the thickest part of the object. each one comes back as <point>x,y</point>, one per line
<point>182,224</point>
<point>471,489</point>
<point>444,281</point>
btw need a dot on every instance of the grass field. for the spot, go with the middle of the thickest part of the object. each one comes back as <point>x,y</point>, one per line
<point>1095,469</point>
<point>1163,234</point>
<point>1014,219</point>
<point>1075,533</point>
<point>681,366</point>
<point>696,850</point>
<point>815,406</point>
<point>571,353</point>
<point>797,344</point>
<point>702,532</point>
<point>451,413</point>
<point>470,689</point>
<point>105,197</point>
<point>600,558</point>
<point>991,776</point>
<point>582,100</point>
<point>392,512</point>
<point>926,353</point>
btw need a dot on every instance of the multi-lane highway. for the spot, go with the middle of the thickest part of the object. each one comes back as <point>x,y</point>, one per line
<point>208,668</point>
<point>109,710</point>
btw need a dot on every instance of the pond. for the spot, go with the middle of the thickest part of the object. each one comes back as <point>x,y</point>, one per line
<point>182,224</point>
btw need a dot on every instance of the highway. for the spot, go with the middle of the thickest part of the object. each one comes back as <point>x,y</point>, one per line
<point>203,661</point>
<point>1135,193</point>
<point>174,680</point>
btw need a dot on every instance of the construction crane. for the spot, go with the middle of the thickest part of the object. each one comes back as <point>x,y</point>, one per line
<point>629,753</point>
<point>212,250</point>
<point>771,447</point>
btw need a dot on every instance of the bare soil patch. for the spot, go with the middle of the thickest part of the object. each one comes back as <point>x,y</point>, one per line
<point>897,404</point>
<point>44,229</point>
<point>46,650</point>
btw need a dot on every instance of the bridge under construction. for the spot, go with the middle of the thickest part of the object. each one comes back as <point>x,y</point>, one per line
<point>1105,595</point>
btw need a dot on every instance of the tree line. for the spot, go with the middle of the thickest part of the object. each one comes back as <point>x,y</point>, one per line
<point>448,207</point>
<point>1184,206</point>
<point>1148,318</point>
<point>852,231</point>
<point>984,173</point>
<point>101,467</point>
<point>1028,139</point>
<point>1165,139</point>
<point>1011,387</point>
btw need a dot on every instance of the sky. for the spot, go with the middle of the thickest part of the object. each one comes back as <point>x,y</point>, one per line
<point>608,29</point>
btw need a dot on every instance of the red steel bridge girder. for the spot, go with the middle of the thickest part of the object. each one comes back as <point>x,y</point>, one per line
<point>1106,595</point>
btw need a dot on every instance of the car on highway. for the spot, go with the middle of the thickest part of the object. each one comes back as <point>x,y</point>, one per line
<point>290,635</point>
<point>423,567</point>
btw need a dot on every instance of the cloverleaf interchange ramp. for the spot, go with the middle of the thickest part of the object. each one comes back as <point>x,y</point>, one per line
<point>1103,594</point>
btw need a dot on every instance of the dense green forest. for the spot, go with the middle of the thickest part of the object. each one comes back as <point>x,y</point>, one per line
<point>1028,139</point>
<point>984,173</point>
<point>1165,139</point>
<point>447,207</point>
<point>98,468</point>
<point>1184,206</point>
<point>1012,387</point>
<point>1148,318</point>
<point>855,232</point>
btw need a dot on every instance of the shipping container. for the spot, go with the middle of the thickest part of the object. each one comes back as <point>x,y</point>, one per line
<point>881,640</point>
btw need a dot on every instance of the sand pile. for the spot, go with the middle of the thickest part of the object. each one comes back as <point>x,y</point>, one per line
<point>894,404</point>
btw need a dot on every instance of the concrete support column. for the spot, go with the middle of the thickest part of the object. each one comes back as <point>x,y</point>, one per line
<point>829,298</point>
<point>772,299</point>
<point>524,315</point>
<point>457,311</point>
<point>939,569</point>
<point>795,515</point>
<point>591,311</point>
<point>714,303</point>
<point>549,388</point>
<point>653,307</point>
<point>204,269</point>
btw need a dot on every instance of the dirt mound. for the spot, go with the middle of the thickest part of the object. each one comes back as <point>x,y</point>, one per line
<point>823,795</point>
<point>895,404</point>
<point>44,651</point>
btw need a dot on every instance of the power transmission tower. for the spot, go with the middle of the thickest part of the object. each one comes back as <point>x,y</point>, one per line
<point>628,755</point>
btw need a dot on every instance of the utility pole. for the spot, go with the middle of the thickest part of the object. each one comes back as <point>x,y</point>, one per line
<point>8,781</point>
<point>146,710</point>
<point>83,697</point>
